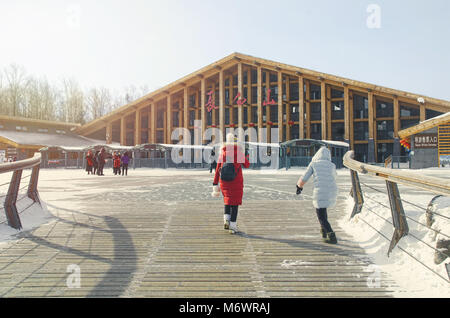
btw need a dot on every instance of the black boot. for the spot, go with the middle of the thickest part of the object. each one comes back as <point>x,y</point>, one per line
<point>323,233</point>
<point>331,238</point>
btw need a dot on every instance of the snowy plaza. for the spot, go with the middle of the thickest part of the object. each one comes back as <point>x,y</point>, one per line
<point>159,233</point>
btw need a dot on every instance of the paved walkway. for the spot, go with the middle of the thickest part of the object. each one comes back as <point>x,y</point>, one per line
<point>142,236</point>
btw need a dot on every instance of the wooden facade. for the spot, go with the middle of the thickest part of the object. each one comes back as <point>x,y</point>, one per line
<point>254,92</point>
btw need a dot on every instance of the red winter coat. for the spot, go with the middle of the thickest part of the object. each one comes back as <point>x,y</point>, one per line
<point>232,190</point>
<point>116,161</point>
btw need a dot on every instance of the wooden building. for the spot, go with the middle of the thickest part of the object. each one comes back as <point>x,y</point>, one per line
<point>253,92</point>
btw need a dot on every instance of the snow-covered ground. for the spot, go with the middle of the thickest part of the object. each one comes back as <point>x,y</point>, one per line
<point>419,280</point>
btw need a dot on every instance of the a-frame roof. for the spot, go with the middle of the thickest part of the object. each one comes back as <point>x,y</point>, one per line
<point>233,59</point>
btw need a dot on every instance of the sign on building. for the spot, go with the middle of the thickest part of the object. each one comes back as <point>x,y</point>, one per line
<point>425,141</point>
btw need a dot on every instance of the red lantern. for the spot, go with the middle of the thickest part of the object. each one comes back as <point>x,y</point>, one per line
<point>290,123</point>
<point>269,123</point>
<point>251,125</point>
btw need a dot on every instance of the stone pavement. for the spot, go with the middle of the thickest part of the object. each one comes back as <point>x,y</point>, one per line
<point>162,236</point>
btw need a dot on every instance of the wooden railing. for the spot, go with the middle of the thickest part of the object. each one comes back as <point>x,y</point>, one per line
<point>12,215</point>
<point>435,185</point>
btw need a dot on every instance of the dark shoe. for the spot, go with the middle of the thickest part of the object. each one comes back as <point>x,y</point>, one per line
<point>331,238</point>
<point>323,233</point>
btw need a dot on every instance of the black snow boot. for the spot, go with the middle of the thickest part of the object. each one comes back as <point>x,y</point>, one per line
<point>331,238</point>
<point>323,233</point>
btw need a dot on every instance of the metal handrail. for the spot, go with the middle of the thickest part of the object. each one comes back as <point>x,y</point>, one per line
<point>432,184</point>
<point>22,164</point>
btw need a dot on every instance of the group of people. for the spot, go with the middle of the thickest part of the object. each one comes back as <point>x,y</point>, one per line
<point>120,162</point>
<point>95,162</point>
<point>228,173</point>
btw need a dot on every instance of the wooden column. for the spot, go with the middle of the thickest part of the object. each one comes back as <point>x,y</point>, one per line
<point>396,117</point>
<point>268,106</point>
<point>185,108</point>
<point>137,128</point>
<point>308,111</point>
<point>346,114</point>
<point>109,133</point>
<point>288,109</point>
<point>240,107</point>
<point>323,109</point>
<point>221,105</point>
<point>328,99</point>
<point>169,119</point>
<point>202,106</point>
<point>301,108</point>
<point>422,112</point>
<point>151,124</point>
<point>280,107</point>
<point>371,115</point>
<point>123,131</point>
<point>259,103</point>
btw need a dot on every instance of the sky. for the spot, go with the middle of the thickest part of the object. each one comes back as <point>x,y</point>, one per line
<point>401,44</point>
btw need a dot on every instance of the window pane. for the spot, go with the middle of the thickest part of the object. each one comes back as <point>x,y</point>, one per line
<point>361,131</point>
<point>432,113</point>
<point>385,129</point>
<point>384,109</point>
<point>337,110</point>
<point>337,94</point>
<point>360,107</point>
<point>316,111</point>
<point>337,131</point>
<point>316,131</point>
<point>314,91</point>
<point>409,111</point>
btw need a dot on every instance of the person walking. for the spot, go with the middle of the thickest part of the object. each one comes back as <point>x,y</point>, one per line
<point>229,174</point>
<point>325,190</point>
<point>101,161</point>
<point>116,163</point>
<point>125,162</point>
<point>95,162</point>
<point>89,162</point>
<point>213,163</point>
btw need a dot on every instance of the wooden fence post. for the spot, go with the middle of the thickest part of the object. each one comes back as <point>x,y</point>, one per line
<point>398,215</point>
<point>10,202</point>
<point>32,187</point>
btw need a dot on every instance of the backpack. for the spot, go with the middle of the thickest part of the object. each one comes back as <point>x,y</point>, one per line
<point>228,172</point>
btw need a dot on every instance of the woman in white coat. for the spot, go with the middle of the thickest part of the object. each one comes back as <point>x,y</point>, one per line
<point>325,189</point>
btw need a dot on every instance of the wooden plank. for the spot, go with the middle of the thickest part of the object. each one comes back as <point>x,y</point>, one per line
<point>137,128</point>
<point>281,123</point>
<point>323,109</point>
<point>123,128</point>
<point>259,102</point>
<point>203,106</point>
<point>221,105</point>
<point>347,113</point>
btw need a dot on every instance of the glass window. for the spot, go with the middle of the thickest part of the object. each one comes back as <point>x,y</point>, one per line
<point>191,117</point>
<point>254,76</point>
<point>235,116</point>
<point>406,123</point>
<point>244,78</point>
<point>314,92</point>
<point>227,116</point>
<point>316,111</point>
<point>274,93</point>
<point>274,113</point>
<point>360,106</point>
<point>273,78</point>
<point>384,109</point>
<point>337,131</point>
<point>144,122</point>
<point>361,130</point>
<point>316,131</point>
<point>337,93</point>
<point>235,79</point>
<point>409,111</point>
<point>385,129</point>
<point>255,115</point>
<point>384,151</point>
<point>191,101</point>
<point>263,77</point>
<point>245,115</point>
<point>432,113</point>
<point>254,95</point>
<point>245,94</point>
<point>209,118</point>
<point>175,119</point>
<point>337,110</point>
<point>295,112</point>
<point>361,152</point>
<point>293,91</point>
<point>227,97</point>
<point>295,134</point>
<point>227,82</point>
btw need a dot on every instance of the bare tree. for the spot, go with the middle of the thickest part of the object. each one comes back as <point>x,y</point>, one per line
<point>73,105</point>
<point>15,85</point>
<point>98,102</point>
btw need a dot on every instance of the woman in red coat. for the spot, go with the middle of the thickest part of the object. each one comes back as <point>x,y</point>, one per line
<point>229,167</point>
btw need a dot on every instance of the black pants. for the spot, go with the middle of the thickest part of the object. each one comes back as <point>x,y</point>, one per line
<point>232,210</point>
<point>100,169</point>
<point>323,220</point>
<point>125,169</point>
<point>212,167</point>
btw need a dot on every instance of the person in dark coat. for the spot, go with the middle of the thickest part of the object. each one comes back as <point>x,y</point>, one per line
<point>233,190</point>
<point>213,164</point>
<point>95,162</point>
<point>125,162</point>
<point>89,162</point>
<point>101,161</point>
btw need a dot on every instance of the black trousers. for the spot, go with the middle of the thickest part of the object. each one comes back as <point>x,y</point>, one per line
<point>323,220</point>
<point>125,169</point>
<point>232,210</point>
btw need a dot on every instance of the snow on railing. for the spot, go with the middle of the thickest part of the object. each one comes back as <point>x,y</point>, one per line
<point>11,197</point>
<point>438,186</point>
